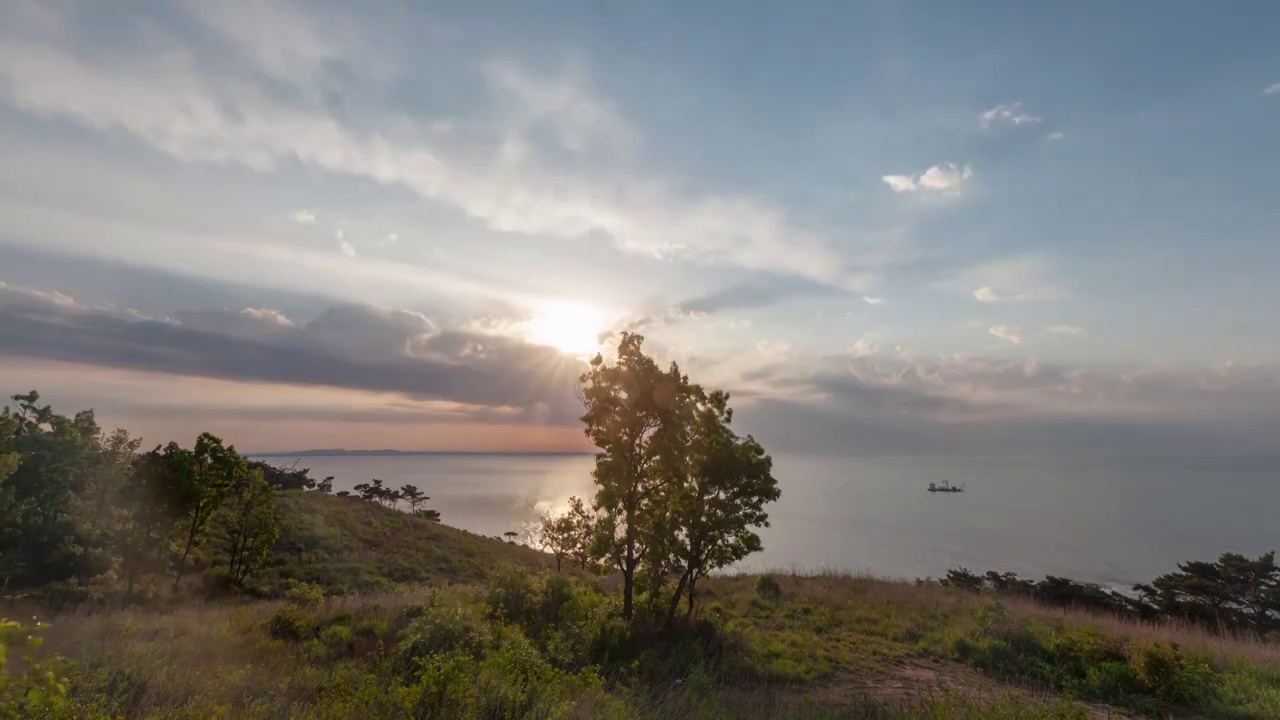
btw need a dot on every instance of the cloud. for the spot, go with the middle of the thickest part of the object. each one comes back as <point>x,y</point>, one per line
<point>347,249</point>
<point>872,300</point>
<point>1008,334</point>
<point>900,183</point>
<point>945,179</point>
<point>975,405</point>
<point>1016,278</point>
<point>576,112</point>
<point>1007,114</point>
<point>865,347</point>
<point>1056,136</point>
<point>1064,329</point>
<point>351,347</point>
<point>986,294</point>
<point>1272,90</point>
<point>178,90</point>
<point>302,217</point>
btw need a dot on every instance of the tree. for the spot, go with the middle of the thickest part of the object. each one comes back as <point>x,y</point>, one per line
<point>42,538</point>
<point>198,480</point>
<point>511,536</point>
<point>1233,594</point>
<point>583,524</point>
<point>413,496</point>
<point>147,526</point>
<point>636,415</point>
<point>433,515</point>
<point>376,491</point>
<point>249,525</point>
<point>557,535</point>
<point>713,513</point>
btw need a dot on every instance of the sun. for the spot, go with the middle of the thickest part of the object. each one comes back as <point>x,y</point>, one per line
<point>568,327</point>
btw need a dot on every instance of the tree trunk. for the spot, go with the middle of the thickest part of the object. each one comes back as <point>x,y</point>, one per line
<point>628,585</point>
<point>629,571</point>
<point>693,582</point>
<point>182,562</point>
<point>675,598</point>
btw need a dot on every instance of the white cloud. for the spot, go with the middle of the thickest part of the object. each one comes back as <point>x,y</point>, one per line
<point>986,294</point>
<point>1009,334</point>
<point>302,217</point>
<point>1056,136</point>
<point>1064,329</point>
<point>167,93</point>
<point>1007,114</point>
<point>393,238</point>
<point>1272,90</point>
<point>900,183</point>
<point>865,347</point>
<point>1015,278</point>
<point>946,179</point>
<point>581,118</point>
<point>347,249</point>
<point>872,300</point>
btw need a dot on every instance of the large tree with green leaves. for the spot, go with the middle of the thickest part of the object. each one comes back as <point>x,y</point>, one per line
<point>197,481</point>
<point>714,511</point>
<point>248,525</point>
<point>637,415</point>
<point>41,537</point>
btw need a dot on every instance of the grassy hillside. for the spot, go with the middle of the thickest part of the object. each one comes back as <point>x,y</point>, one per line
<point>350,546</point>
<point>427,621</point>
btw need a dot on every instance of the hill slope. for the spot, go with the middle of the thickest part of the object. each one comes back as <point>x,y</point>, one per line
<point>350,546</point>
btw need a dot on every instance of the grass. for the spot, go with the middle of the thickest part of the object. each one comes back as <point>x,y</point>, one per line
<point>349,546</point>
<point>389,616</point>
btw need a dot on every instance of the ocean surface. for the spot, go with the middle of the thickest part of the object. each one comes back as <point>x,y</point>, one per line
<point>1114,522</point>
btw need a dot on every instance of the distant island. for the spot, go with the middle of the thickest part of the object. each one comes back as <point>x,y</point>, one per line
<point>340,452</point>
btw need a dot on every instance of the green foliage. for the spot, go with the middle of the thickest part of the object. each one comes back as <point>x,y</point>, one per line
<point>678,492</point>
<point>1088,663</point>
<point>248,525</point>
<point>443,625</point>
<point>1235,594</point>
<point>40,689</point>
<point>768,589</point>
<point>304,594</point>
<point>291,623</point>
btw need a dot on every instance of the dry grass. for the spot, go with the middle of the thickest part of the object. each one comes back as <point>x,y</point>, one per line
<point>1193,638</point>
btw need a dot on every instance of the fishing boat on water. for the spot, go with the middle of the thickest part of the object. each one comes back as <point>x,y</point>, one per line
<point>946,487</point>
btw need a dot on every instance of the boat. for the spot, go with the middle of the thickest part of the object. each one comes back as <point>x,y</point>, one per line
<point>946,487</point>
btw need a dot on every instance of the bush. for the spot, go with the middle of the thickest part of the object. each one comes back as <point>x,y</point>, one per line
<point>768,589</point>
<point>40,690</point>
<point>291,623</point>
<point>304,594</point>
<point>512,596</point>
<point>443,627</point>
<point>1165,673</point>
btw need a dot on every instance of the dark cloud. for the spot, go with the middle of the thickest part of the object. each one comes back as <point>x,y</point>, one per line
<point>355,347</point>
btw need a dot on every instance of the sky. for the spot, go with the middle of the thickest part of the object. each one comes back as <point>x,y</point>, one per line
<point>886,227</point>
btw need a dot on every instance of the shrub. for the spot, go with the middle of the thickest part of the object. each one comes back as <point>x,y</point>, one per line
<point>768,589</point>
<point>304,594</point>
<point>40,690</point>
<point>512,596</point>
<point>1167,674</point>
<point>291,623</point>
<point>443,627</point>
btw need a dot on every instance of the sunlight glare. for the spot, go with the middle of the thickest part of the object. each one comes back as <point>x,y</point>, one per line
<point>568,327</point>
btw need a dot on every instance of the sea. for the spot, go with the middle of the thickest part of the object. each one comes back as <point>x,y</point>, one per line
<point>1112,521</point>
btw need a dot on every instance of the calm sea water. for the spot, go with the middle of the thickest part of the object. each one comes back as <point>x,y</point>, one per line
<point>1110,521</point>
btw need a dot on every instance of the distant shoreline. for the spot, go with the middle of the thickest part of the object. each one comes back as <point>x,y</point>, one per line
<point>385,453</point>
